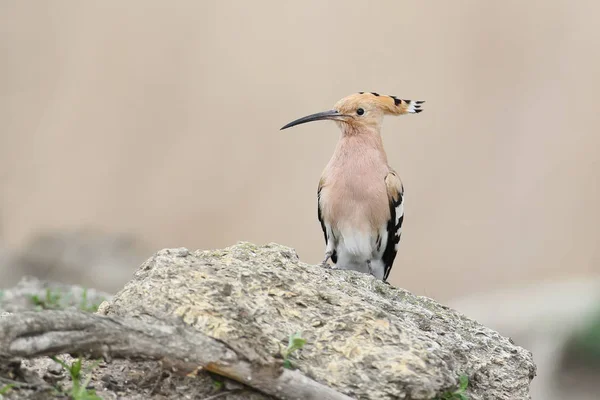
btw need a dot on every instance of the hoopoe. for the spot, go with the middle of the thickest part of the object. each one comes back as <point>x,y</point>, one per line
<point>360,197</point>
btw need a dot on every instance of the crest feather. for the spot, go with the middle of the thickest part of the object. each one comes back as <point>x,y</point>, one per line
<point>393,105</point>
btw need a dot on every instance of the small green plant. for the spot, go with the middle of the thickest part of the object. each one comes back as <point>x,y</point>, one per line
<point>86,306</point>
<point>295,342</point>
<point>50,302</point>
<point>217,384</point>
<point>5,389</point>
<point>79,390</point>
<point>458,394</point>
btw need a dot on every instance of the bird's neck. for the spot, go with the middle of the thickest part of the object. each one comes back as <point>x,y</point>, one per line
<point>360,146</point>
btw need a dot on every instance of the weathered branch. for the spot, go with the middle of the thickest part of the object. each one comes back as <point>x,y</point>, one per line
<point>34,334</point>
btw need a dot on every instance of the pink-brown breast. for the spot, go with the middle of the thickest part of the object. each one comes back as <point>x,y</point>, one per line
<point>353,189</point>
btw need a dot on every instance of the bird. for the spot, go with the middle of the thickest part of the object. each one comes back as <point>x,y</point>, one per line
<point>360,197</point>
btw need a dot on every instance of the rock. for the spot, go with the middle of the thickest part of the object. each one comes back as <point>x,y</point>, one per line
<point>364,338</point>
<point>55,368</point>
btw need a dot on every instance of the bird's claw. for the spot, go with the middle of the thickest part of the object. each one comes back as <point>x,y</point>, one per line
<point>370,268</point>
<point>325,264</point>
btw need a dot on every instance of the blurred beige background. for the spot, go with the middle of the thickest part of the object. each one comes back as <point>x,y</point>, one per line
<point>161,120</point>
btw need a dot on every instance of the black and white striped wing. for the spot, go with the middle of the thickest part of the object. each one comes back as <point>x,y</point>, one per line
<point>323,226</point>
<point>395,192</point>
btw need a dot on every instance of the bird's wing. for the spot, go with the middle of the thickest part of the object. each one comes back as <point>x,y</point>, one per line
<point>395,192</point>
<point>330,246</point>
<point>319,212</point>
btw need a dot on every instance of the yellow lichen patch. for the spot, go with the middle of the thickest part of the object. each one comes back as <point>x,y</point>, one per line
<point>290,312</point>
<point>333,367</point>
<point>383,324</point>
<point>406,365</point>
<point>352,351</point>
<point>348,348</point>
<point>201,317</point>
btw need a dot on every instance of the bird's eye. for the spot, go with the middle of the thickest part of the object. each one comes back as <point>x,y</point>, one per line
<point>360,111</point>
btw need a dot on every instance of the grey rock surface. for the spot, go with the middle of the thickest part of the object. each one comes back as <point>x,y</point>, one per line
<point>364,338</point>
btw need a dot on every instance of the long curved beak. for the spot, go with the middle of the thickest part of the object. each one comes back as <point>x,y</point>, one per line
<point>331,114</point>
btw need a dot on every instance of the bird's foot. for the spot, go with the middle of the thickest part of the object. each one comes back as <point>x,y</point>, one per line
<point>325,264</point>
<point>370,268</point>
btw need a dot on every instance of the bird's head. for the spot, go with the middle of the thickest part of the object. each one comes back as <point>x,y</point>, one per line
<point>362,110</point>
